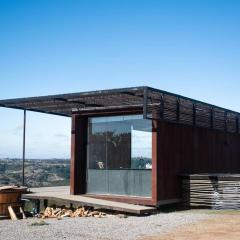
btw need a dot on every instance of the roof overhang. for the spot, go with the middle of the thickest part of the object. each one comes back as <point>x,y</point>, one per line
<point>154,103</point>
<point>67,104</point>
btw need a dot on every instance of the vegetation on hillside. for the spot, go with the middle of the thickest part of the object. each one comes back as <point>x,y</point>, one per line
<point>38,172</point>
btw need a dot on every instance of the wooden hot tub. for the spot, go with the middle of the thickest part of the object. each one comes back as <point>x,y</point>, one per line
<point>10,196</point>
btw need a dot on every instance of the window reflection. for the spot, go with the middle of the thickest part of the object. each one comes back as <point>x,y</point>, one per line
<point>119,142</point>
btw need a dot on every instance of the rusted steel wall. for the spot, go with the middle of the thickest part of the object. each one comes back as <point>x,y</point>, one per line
<point>176,149</point>
<point>185,149</point>
<point>78,155</point>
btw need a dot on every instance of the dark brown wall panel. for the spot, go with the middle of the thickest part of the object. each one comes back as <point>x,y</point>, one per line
<point>185,149</point>
<point>155,157</point>
<point>78,155</point>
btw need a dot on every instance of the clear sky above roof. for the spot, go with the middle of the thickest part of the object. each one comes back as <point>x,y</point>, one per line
<point>59,46</point>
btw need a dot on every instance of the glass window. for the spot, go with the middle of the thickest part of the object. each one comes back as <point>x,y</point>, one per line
<point>120,142</point>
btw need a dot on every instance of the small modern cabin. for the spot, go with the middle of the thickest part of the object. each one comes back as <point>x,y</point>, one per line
<point>133,144</point>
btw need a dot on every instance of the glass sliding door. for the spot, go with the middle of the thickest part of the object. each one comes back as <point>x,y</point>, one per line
<point>119,155</point>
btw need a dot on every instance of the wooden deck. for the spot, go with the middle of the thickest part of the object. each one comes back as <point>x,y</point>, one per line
<point>62,195</point>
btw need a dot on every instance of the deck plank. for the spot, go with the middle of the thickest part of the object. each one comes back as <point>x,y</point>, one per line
<point>62,194</point>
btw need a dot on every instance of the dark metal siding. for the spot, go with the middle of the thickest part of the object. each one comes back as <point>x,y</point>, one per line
<point>186,149</point>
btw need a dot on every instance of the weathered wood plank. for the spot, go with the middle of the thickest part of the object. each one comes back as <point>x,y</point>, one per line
<point>218,191</point>
<point>12,213</point>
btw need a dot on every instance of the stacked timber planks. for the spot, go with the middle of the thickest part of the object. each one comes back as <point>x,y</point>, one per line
<point>216,191</point>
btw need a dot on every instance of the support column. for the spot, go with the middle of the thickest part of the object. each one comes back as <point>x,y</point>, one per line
<point>24,147</point>
<point>155,154</point>
<point>78,155</point>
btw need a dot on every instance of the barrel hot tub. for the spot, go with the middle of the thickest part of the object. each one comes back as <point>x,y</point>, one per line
<point>10,196</point>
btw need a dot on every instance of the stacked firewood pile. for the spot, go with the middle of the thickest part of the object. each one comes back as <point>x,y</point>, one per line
<point>62,213</point>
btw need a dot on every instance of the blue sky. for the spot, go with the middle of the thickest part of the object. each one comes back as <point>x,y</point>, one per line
<point>58,46</point>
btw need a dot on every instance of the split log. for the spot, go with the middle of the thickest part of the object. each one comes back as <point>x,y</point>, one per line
<point>62,213</point>
<point>12,213</point>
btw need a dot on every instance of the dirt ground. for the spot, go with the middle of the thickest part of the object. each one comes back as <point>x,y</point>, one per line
<point>221,227</point>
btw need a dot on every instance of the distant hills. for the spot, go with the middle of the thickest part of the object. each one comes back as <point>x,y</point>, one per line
<point>47,172</point>
<point>38,172</point>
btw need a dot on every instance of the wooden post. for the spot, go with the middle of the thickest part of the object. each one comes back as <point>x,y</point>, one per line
<point>37,204</point>
<point>45,203</point>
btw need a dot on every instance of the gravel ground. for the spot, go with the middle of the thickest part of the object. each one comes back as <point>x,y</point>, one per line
<point>111,227</point>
